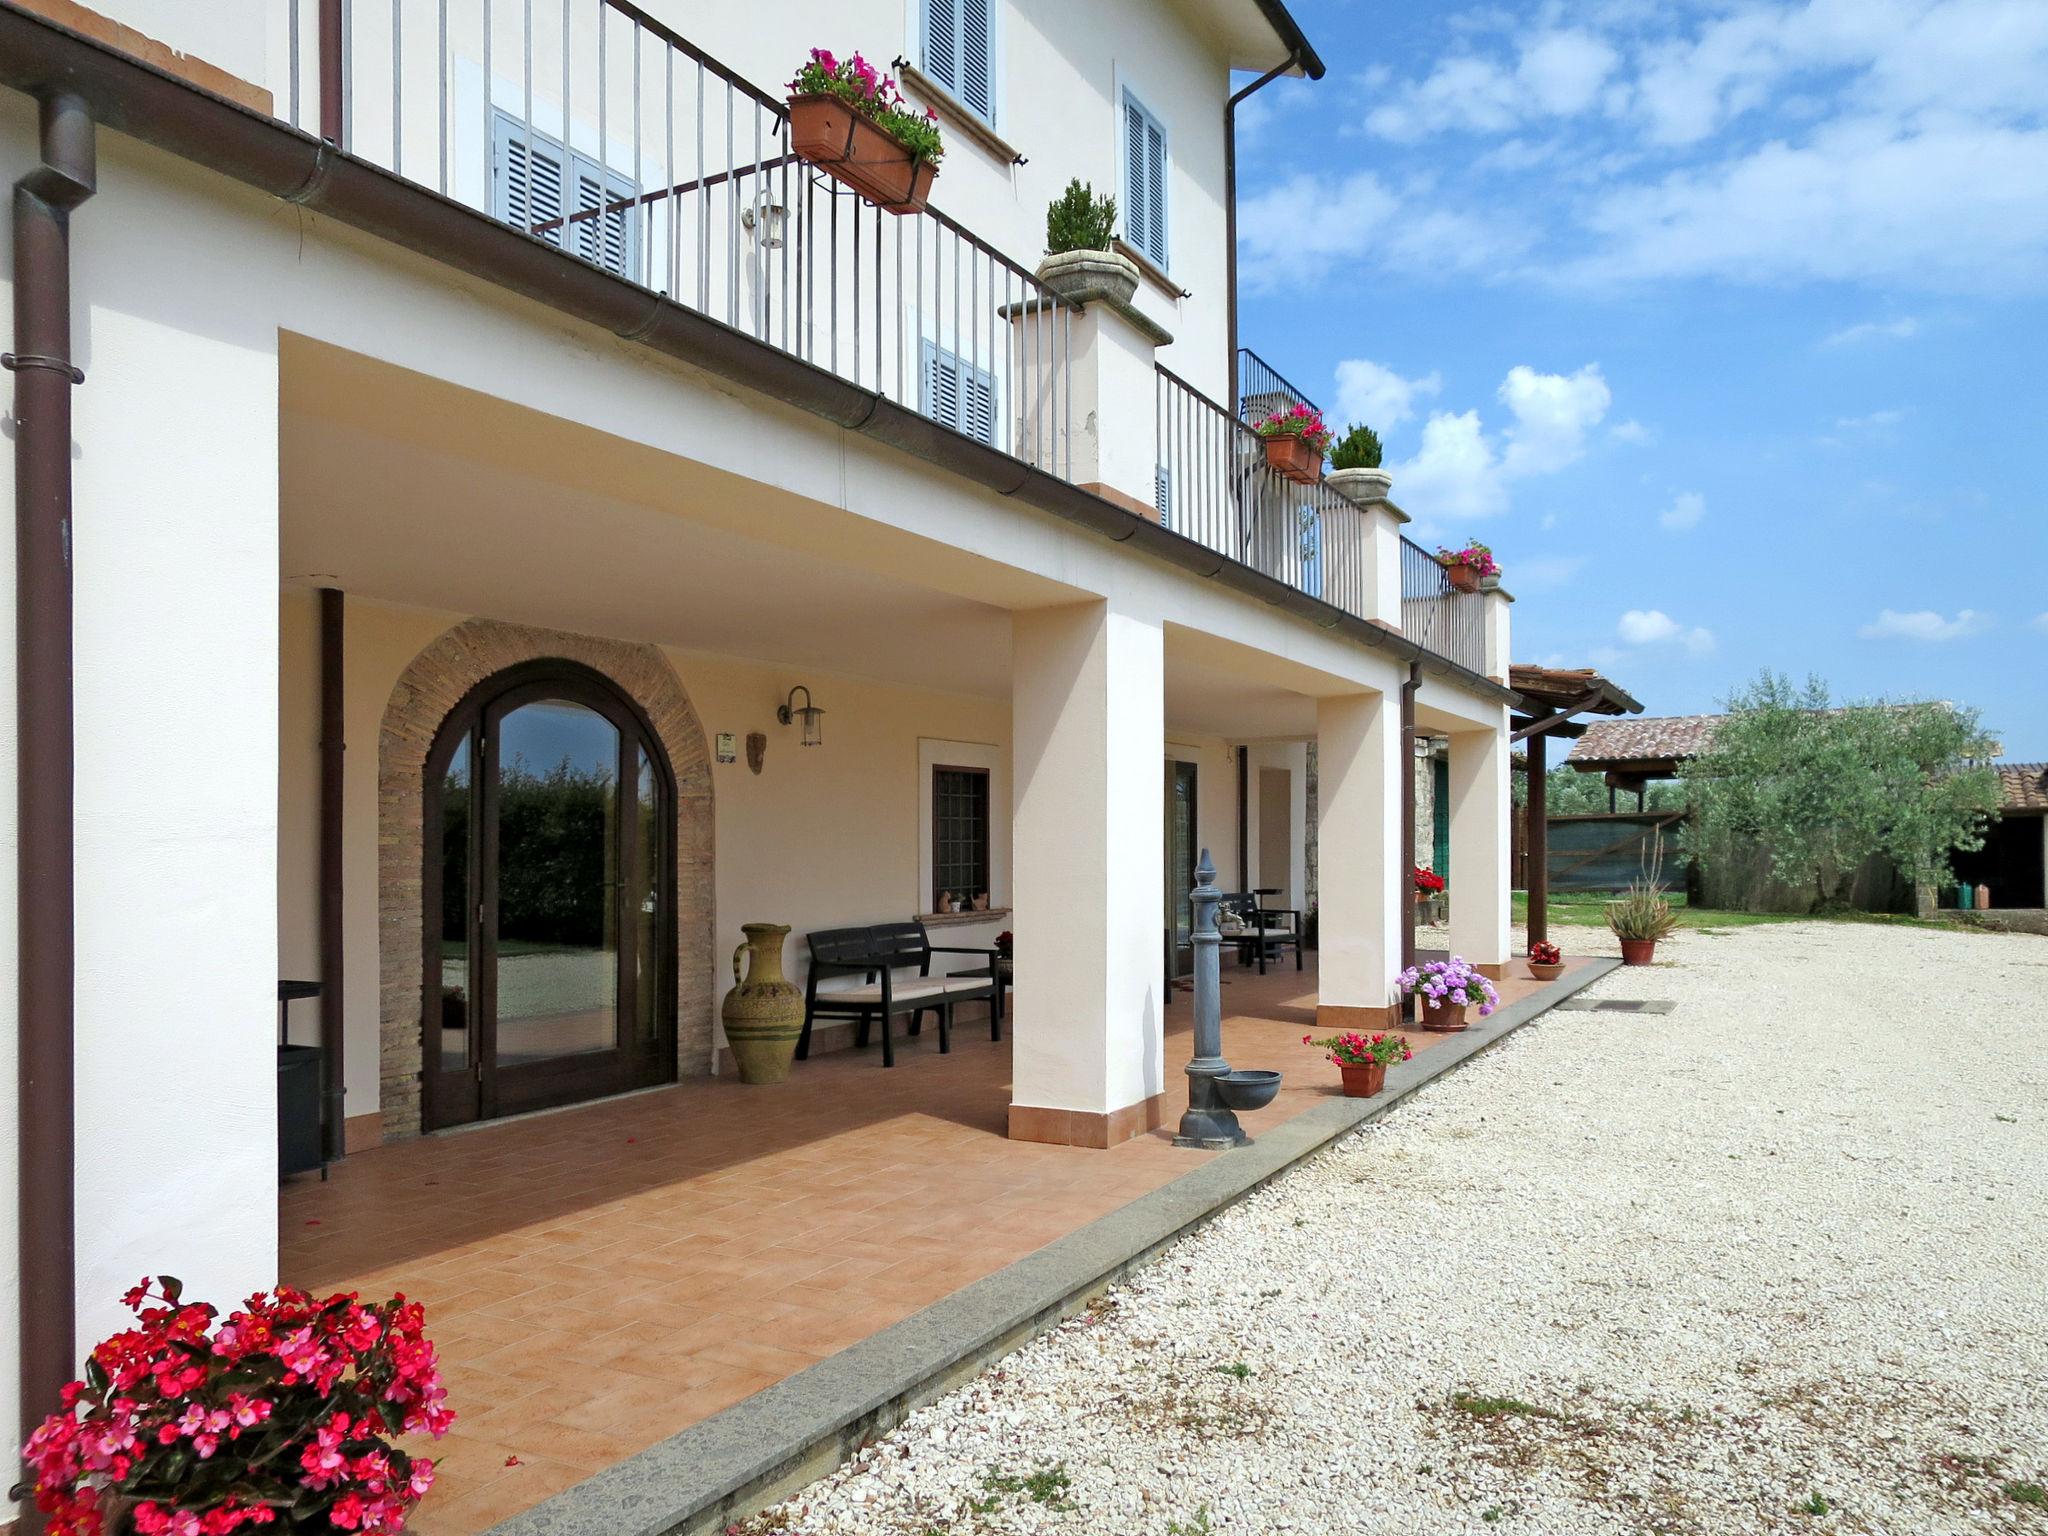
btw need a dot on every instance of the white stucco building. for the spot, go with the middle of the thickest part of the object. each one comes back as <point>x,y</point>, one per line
<point>376,501</point>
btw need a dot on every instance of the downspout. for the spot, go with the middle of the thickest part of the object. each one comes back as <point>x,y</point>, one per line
<point>1292,61</point>
<point>1244,819</point>
<point>1407,880</point>
<point>43,377</point>
<point>332,1001</point>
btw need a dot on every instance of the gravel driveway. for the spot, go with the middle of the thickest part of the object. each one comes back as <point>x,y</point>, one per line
<point>1775,1262</point>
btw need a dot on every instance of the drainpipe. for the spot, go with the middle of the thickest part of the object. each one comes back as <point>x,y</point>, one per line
<point>43,377</point>
<point>1292,61</point>
<point>1407,880</point>
<point>332,1027</point>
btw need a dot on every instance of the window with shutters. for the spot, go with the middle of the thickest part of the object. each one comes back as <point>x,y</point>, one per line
<point>541,187</point>
<point>959,836</point>
<point>959,395</point>
<point>960,52</point>
<point>1145,166</point>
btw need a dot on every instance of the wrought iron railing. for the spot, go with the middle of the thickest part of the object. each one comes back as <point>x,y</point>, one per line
<point>1262,390</point>
<point>1213,486</point>
<point>594,127</point>
<point>1436,615</point>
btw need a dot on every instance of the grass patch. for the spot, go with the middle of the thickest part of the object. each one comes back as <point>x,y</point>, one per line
<point>1500,1407</point>
<point>1199,1526</point>
<point>1816,1504</point>
<point>1236,1368</point>
<point>2027,1493</point>
<point>1047,1485</point>
<point>1587,909</point>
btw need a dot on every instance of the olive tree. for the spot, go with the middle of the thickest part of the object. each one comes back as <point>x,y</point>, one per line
<point>1817,788</point>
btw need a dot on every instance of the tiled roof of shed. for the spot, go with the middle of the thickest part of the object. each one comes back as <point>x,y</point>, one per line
<point>2023,786</point>
<point>1651,739</point>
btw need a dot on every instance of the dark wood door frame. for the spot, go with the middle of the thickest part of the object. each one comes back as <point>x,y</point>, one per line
<point>481,1090</point>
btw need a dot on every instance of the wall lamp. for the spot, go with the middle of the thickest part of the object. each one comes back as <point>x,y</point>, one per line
<point>808,713</point>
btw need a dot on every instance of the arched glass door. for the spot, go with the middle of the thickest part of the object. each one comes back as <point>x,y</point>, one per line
<point>549,880</point>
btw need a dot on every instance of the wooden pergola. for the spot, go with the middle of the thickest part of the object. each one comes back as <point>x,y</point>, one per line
<point>1551,700</point>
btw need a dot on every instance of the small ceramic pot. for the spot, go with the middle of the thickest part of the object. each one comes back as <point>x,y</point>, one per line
<point>1444,1017</point>
<point>1638,951</point>
<point>1362,1082</point>
<point>1546,972</point>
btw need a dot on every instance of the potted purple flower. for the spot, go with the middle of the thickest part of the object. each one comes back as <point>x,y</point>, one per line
<point>1447,988</point>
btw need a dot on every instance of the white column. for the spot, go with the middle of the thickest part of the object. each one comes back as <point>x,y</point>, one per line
<point>1382,522</point>
<point>1479,873</point>
<point>1497,653</point>
<point>1358,837</point>
<point>1096,378</point>
<point>177,782</point>
<point>1088,870</point>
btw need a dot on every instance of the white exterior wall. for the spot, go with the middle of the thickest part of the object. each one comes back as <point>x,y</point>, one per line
<point>1291,758</point>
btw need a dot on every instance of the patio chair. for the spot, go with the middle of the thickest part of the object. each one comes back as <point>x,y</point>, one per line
<point>1259,932</point>
<point>876,954</point>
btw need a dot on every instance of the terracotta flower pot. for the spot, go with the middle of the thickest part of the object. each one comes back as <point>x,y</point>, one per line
<point>1443,1017</point>
<point>1290,456</point>
<point>1544,972</point>
<point>1463,577</point>
<point>853,149</point>
<point>1362,1082</point>
<point>1638,951</point>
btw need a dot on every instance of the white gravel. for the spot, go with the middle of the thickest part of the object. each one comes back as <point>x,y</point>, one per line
<point>1784,1248</point>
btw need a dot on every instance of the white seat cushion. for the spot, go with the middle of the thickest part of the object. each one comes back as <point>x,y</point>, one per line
<point>899,991</point>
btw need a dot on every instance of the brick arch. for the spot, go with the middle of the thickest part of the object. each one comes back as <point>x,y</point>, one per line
<point>432,685</point>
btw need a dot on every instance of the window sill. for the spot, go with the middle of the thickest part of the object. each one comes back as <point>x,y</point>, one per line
<point>1150,270</point>
<point>956,113</point>
<point>962,919</point>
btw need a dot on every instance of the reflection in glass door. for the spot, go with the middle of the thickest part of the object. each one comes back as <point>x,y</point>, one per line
<point>1180,867</point>
<point>550,881</point>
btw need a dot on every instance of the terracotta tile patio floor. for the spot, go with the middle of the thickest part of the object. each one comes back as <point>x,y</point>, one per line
<point>600,1278</point>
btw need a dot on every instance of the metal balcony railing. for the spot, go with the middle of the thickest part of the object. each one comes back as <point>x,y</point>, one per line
<point>1436,615</point>
<point>594,127</point>
<point>1213,486</point>
<point>1262,390</point>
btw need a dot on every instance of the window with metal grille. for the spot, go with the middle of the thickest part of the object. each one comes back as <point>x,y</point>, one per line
<point>539,186</point>
<point>959,834</point>
<point>960,52</point>
<point>1145,165</point>
<point>959,395</point>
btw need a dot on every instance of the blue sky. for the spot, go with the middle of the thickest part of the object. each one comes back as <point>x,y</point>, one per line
<point>1725,324</point>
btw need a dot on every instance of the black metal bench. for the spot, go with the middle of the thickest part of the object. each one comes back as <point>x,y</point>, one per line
<point>1264,932</point>
<point>875,954</point>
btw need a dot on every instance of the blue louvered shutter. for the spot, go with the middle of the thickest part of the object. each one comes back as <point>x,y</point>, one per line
<point>1144,208</point>
<point>960,52</point>
<point>959,395</point>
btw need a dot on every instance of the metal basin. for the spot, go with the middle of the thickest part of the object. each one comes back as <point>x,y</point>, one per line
<point>1248,1090</point>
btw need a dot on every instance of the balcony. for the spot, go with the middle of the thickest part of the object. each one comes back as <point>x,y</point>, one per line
<point>1214,487</point>
<point>594,127</point>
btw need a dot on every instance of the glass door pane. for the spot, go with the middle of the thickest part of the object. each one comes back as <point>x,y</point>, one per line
<point>557,907</point>
<point>457,901</point>
<point>1180,862</point>
<point>647,906</point>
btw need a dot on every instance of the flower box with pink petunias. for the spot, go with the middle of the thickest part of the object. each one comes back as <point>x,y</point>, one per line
<point>849,119</point>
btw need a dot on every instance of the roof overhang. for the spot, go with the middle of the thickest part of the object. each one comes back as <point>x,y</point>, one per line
<point>1257,35</point>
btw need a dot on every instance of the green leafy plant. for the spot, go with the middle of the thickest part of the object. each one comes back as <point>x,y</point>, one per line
<point>1199,1526</point>
<point>1642,912</point>
<point>1236,1368</point>
<point>1047,1485</point>
<point>1816,1504</point>
<point>1483,1407</point>
<point>1359,448</point>
<point>2027,1493</point>
<point>1078,220</point>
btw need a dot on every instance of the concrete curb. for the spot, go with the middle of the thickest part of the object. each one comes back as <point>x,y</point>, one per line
<point>763,1449</point>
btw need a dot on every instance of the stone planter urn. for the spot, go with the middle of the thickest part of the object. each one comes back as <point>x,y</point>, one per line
<point>1360,485</point>
<point>1081,277</point>
<point>764,1013</point>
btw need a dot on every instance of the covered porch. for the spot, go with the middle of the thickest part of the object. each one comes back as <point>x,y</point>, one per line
<point>600,1278</point>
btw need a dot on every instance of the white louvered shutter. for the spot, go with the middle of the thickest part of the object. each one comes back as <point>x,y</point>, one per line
<point>1162,496</point>
<point>959,396</point>
<point>529,190</point>
<point>605,240</point>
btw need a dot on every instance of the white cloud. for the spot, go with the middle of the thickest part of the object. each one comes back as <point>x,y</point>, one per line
<point>1684,513</point>
<point>1553,412</point>
<point>1903,329</point>
<point>1875,421</point>
<point>1558,73</point>
<point>2040,622</point>
<point>1653,626</point>
<point>1630,431</point>
<point>1376,395</point>
<point>1296,233</point>
<point>1459,472</point>
<point>1454,474</point>
<point>1925,624</point>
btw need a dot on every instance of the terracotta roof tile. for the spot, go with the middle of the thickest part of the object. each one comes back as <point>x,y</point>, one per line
<point>1649,739</point>
<point>2023,786</point>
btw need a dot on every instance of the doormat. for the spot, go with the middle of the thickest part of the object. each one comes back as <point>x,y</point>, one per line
<point>1584,1004</point>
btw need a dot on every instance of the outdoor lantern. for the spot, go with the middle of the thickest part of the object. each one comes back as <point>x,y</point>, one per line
<point>809,714</point>
<point>767,219</point>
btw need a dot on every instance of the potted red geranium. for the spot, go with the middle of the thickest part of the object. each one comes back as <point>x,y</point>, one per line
<point>1429,886</point>
<point>1467,567</point>
<point>1363,1059</point>
<point>1546,960</point>
<point>283,1418</point>
<point>1295,442</point>
<point>848,119</point>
